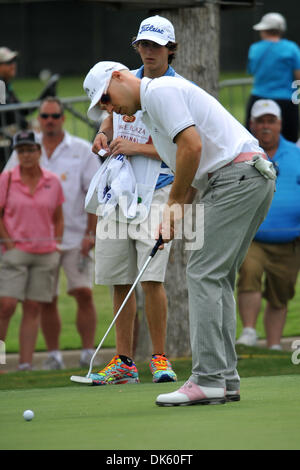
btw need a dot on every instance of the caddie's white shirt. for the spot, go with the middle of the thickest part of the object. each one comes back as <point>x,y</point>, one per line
<point>171,105</point>
<point>75,165</point>
<point>133,129</point>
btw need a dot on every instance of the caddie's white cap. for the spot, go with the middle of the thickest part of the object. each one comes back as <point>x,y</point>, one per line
<point>96,83</point>
<point>262,107</point>
<point>156,29</point>
<point>6,55</point>
<point>271,21</point>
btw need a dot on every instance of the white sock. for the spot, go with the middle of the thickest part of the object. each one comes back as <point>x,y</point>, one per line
<point>56,354</point>
<point>24,366</point>
<point>276,347</point>
<point>248,329</point>
<point>87,351</point>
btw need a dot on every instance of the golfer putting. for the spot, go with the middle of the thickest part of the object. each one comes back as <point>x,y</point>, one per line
<point>210,151</point>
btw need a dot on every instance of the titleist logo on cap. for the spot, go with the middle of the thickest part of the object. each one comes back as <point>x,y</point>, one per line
<point>150,27</point>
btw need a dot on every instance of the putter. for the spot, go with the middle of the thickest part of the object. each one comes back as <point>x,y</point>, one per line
<point>87,379</point>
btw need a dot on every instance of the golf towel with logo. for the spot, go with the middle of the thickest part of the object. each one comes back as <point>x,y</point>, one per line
<point>113,184</point>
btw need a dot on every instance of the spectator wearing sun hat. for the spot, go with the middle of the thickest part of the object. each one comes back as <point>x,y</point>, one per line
<point>8,70</point>
<point>13,121</point>
<point>274,63</point>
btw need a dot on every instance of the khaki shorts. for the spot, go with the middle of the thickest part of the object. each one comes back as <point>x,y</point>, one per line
<point>279,263</point>
<point>79,271</point>
<point>28,275</point>
<point>119,260</point>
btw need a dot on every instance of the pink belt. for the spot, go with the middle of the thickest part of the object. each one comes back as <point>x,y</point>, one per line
<point>242,157</point>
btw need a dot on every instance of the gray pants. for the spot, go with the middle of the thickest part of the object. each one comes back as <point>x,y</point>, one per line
<point>236,202</point>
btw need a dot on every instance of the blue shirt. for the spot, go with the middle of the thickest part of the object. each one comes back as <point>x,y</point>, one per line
<point>282,224</point>
<point>163,179</point>
<point>273,64</point>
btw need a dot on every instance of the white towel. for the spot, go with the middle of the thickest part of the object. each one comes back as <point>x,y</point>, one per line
<point>113,184</point>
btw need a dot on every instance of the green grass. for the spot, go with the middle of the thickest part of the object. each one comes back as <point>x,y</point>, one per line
<point>126,417</point>
<point>252,362</point>
<point>116,418</point>
<point>70,338</point>
<point>28,89</point>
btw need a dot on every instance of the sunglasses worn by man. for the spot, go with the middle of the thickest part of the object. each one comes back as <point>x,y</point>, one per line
<point>53,115</point>
<point>105,98</point>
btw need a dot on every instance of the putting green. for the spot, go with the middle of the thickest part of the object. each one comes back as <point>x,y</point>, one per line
<point>126,417</point>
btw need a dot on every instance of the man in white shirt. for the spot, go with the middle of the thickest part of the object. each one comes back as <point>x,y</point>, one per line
<point>207,149</point>
<point>72,160</point>
<point>119,260</point>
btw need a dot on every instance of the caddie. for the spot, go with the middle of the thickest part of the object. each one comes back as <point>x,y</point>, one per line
<point>119,259</point>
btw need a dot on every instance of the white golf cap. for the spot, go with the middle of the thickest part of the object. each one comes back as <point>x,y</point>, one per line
<point>271,21</point>
<point>156,29</point>
<point>262,107</point>
<point>6,55</point>
<point>96,83</point>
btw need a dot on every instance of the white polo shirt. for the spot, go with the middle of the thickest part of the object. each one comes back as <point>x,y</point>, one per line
<point>171,105</point>
<point>75,165</point>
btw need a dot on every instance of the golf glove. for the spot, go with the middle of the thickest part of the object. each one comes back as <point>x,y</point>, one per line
<point>265,168</point>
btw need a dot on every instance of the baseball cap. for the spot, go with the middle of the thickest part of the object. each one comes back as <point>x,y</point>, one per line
<point>271,21</point>
<point>96,83</point>
<point>25,137</point>
<point>156,29</point>
<point>262,107</point>
<point>6,55</point>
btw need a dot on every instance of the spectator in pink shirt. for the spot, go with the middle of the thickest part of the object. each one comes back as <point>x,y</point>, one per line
<point>31,227</point>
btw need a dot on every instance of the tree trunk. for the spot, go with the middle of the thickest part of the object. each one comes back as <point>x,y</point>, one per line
<point>197,59</point>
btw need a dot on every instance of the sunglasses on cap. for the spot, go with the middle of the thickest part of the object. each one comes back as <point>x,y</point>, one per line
<point>53,115</point>
<point>105,98</point>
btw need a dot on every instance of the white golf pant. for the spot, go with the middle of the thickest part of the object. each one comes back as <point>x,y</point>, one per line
<point>236,202</point>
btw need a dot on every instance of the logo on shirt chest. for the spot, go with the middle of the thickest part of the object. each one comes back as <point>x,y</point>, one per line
<point>128,118</point>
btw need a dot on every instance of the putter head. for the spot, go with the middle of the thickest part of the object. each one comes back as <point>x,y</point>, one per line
<point>81,380</point>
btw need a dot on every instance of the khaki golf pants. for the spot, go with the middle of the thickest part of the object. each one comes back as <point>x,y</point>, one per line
<point>236,202</point>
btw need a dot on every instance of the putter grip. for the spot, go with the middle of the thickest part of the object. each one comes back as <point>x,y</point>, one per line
<point>156,246</point>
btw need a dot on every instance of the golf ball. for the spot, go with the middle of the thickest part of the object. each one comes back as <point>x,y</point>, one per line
<point>28,415</point>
